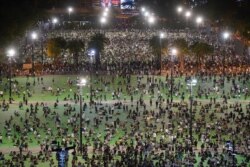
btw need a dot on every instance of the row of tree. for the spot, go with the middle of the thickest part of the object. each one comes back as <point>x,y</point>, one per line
<point>163,47</point>
<point>57,46</point>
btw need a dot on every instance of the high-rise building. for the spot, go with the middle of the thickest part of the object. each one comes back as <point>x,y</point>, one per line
<point>194,3</point>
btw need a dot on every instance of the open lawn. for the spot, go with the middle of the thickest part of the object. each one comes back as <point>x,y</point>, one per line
<point>39,124</point>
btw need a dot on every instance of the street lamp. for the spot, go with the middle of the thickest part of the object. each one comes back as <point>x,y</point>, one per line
<point>191,83</point>
<point>187,15</point>
<point>10,54</point>
<point>91,54</point>
<point>105,14</point>
<point>106,9</point>
<point>173,52</point>
<point>54,22</point>
<point>226,35</point>
<point>162,35</point>
<point>34,37</point>
<point>179,9</point>
<point>143,9</point>
<point>70,10</point>
<point>146,13</point>
<point>151,20</point>
<point>103,21</point>
<point>199,20</point>
<point>81,83</point>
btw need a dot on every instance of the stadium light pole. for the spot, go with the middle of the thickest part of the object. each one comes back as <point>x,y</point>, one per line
<point>10,54</point>
<point>162,36</point>
<point>173,53</point>
<point>81,84</point>
<point>34,37</point>
<point>226,35</point>
<point>192,83</point>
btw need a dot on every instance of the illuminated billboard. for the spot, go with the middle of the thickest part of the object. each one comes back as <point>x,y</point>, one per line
<point>127,4</point>
<point>109,3</point>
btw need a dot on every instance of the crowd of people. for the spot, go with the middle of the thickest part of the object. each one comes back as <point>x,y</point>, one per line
<point>131,120</point>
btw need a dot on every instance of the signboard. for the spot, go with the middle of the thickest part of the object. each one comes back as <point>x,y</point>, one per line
<point>127,4</point>
<point>27,66</point>
<point>109,3</point>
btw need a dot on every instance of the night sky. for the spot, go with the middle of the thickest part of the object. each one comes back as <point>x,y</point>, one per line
<point>17,15</point>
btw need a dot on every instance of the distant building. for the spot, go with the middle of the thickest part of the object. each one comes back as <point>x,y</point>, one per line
<point>195,3</point>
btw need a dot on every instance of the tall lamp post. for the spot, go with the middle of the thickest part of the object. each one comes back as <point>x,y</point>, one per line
<point>179,11</point>
<point>54,22</point>
<point>103,20</point>
<point>162,35</point>
<point>226,36</point>
<point>192,83</point>
<point>172,53</point>
<point>151,20</point>
<point>91,54</point>
<point>10,54</point>
<point>70,10</point>
<point>199,21</point>
<point>81,83</point>
<point>34,37</point>
<point>187,15</point>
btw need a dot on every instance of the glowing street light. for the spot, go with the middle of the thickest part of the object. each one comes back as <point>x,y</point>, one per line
<point>173,52</point>
<point>179,9</point>
<point>226,35</point>
<point>54,20</point>
<point>192,83</point>
<point>81,84</point>
<point>70,10</point>
<point>105,14</point>
<point>151,19</point>
<point>10,54</point>
<point>106,9</point>
<point>162,35</point>
<point>146,13</point>
<point>103,20</point>
<point>199,20</point>
<point>188,14</point>
<point>34,36</point>
<point>143,9</point>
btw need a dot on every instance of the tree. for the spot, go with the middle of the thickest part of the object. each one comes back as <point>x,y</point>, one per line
<point>201,49</point>
<point>158,46</point>
<point>97,42</point>
<point>55,47</point>
<point>182,46</point>
<point>75,46</point>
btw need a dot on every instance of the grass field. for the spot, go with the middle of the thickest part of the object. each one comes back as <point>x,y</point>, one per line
<point>103,86</point>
